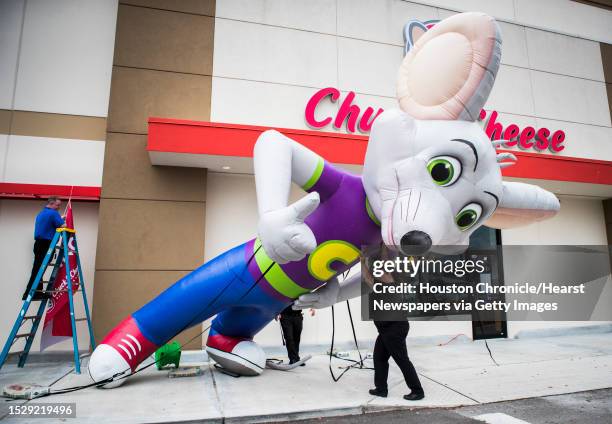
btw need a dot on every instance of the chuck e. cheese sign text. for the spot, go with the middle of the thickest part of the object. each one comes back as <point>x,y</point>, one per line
<point>351,115</point>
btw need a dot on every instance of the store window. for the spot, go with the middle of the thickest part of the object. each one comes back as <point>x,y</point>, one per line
<point>490,324</point>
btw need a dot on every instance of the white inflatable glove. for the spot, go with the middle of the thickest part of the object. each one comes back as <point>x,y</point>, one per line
<point>283,234</point>
<point>331,293</point>
<point>321,298</point>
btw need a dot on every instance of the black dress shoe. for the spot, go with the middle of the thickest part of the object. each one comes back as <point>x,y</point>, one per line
<point>40,296</point>
<point>37,296</point>
<point>378,392</point>
<point>415,396</point>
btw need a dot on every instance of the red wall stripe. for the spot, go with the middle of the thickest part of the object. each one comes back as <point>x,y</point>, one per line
<point>37,191</point>
<point>173,135</point>
<point>211,138</point>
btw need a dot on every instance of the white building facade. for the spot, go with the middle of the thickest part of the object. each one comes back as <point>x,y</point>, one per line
<point>64,60</point>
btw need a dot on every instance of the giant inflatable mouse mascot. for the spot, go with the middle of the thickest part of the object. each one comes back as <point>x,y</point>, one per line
<point>431,177</point>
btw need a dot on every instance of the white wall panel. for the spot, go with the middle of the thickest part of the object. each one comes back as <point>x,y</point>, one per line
<point>41,160</point>
<point>582,141</point>
<point>507,118</point>
<point>563,54</point>
<point>571,99</point>
<point>3,152</point>
<point>260,103</point>
<point>514,44</point>
<point>365,100</point>
<point>511,92</point>
<point>379,20</point>
<point>579,222</point>
<point>17,225</point>
<point>312,15</point>
<point>11,17</point>
<point>66,57</point>
<point>266,53</point>
<point>230,199</point>
<point>369,68</point>
<point>503,9</point>
<point>566,16</point>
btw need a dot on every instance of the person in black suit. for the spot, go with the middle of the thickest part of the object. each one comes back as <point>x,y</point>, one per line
<point>391,343</point>
<point>291,323</point>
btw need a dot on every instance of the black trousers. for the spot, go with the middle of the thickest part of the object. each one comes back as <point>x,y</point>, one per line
<point>391,343</point>
<point>40,250</point>
<point>292,331</point>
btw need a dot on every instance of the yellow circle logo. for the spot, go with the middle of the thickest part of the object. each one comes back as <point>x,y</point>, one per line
<point>322,257</point>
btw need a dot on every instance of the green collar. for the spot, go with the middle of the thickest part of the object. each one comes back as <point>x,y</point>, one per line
<point>371,213</point>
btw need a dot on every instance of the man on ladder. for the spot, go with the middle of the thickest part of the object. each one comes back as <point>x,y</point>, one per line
<point>66,269</point>
<point>47,221</point>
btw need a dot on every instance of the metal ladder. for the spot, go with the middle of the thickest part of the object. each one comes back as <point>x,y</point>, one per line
<point>65,234</point>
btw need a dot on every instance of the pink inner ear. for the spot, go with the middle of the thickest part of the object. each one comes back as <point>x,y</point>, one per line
<point>428,80</point>
<point>504,218</point>
<point>450,71</point>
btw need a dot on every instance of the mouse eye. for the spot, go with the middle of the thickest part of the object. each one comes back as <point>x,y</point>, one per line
<point>468,216</point>
<point>444,170</point>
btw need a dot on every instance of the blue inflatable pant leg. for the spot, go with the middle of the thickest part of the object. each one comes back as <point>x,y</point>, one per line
<point>222,286</point>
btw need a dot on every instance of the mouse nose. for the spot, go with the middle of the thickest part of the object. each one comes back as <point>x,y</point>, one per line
<point>415,243</point>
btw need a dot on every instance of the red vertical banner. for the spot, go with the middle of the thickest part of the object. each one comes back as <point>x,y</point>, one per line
<point>57,326</point>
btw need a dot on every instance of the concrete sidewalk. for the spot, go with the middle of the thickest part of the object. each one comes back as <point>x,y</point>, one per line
<point>457,374</point>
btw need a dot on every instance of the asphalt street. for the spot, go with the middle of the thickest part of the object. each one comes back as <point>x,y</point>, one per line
<point>591,407</point>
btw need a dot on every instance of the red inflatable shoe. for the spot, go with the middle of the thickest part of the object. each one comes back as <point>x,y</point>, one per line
<point>121,351</point>
<point>236,354</point>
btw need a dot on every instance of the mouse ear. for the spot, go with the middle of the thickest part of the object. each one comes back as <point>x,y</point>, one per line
<point>414,30</point>
<point>449,71</point>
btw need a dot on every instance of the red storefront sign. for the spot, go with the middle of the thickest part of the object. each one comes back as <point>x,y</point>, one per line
<point>350,114</point>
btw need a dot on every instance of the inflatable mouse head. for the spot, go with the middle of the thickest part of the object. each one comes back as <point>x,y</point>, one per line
<point>431,174</point>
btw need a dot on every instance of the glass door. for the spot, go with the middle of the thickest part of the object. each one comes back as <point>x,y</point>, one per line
<point>488,325</point>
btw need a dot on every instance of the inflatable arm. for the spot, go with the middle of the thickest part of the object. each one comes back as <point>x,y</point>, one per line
<point>522,204</point>
<point>331,293</point>
<point>278,161</point>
